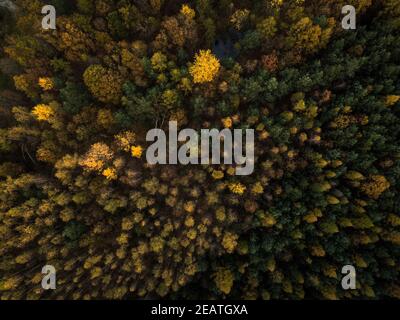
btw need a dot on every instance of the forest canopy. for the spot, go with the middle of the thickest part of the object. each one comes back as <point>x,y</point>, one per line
<point>77,193</point>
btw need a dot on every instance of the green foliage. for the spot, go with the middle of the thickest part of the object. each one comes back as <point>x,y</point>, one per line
<point>76,189</point>
<point>73,230</point>
<point>74,97</point>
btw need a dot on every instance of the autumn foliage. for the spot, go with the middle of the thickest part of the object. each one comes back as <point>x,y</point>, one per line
<point>76,191</point>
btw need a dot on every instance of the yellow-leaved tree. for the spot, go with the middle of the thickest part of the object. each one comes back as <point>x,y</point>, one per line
<point>224,280</point>
<point>205,67</point>
<point>104,84</point>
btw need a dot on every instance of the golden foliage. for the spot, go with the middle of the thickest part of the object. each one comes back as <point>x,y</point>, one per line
<point>305,35</point>
<point>332,200</point>
<point>392,100</point>
<point>205,67</point>
<point>46,83</point>
<point>159,62</point>
<point>229,241</point>
<point>267,27</point>
<point>27,84</point>
<point>239,17</point>
<point>124,140</point>
<point>43,112</point>
<point>237,188</point>
<point>187,11</point>
<point>257,188</point>
<point>354,175</point>
<point>217,174</point>
<point>224,280</point>
<point>318,251</point>
<point>110,173</point>
<point>136,151</point>
<point>97,156</point>
<point>376,185</point>
<point>227,122</point>
<point>105,118</point>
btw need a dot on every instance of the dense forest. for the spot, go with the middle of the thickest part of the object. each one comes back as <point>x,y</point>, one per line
<point>77,193</point>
